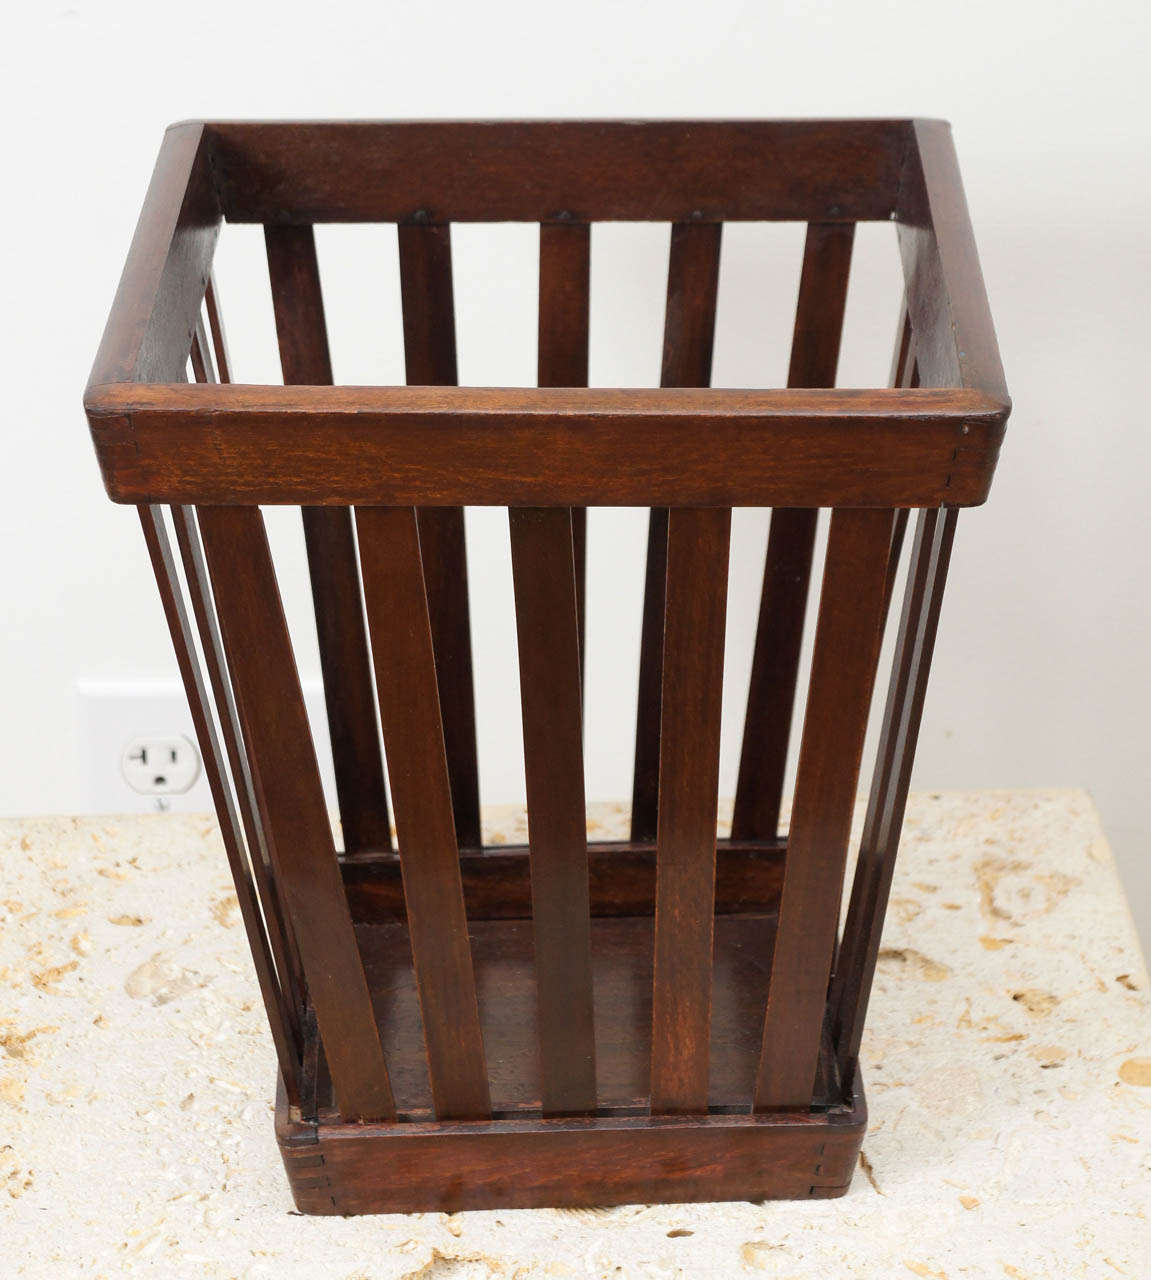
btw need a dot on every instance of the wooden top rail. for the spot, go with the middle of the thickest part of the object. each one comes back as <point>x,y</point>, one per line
<point>955,341</point>
<point>160,442</point>
<point>157,303</point>
<point>447,446</point>
<point>556,170</point>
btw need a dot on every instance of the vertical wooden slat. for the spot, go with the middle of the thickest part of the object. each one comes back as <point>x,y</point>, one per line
<point>688,339</point>
<point>547,625</point>
<point>855,968</point>
<point>564,310</point>
<point>331,549</point>
<point>791,543</point>
<point>390,546</point>
<point>282,941</point>
<point>904,373</point>
<point>430,357</point>
<point>839,696</point>
<point>282,1017</point>
<point>287,779</point>
<point>280,937</point>
<point>696,613</point>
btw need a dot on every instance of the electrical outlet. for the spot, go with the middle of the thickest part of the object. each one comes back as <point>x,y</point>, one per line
<point>160,765</point>
<point>118,717</point>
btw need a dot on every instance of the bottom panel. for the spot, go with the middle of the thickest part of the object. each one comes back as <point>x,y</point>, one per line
<point>622,969</point>
<point>536,1163</point>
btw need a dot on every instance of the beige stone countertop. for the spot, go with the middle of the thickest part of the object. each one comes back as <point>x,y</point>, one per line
<point>1007,1068</point>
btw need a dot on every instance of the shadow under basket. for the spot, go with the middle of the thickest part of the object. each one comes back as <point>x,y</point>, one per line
<point>669,1017</point>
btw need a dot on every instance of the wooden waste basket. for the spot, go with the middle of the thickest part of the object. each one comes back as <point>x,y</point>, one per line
<point>461,1025</point>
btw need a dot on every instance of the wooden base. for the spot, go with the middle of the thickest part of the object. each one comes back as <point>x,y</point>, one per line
<point>537,1163</point>
<point>519,1158</point>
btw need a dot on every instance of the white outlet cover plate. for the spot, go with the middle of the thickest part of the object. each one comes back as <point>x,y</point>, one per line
<point>114,713</point>
<point>161,766</point>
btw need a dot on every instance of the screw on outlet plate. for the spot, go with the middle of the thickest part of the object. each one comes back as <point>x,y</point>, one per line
<point>160,765</point>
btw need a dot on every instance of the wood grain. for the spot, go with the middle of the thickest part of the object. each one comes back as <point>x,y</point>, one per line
<point>569,1162</point>
<point>838,700</point>
<point>696,615</point>
<point>412,446</point>
<point>547,628</point>
<point>539,170</point>
<point>497,880</point>
<point>425,831</point>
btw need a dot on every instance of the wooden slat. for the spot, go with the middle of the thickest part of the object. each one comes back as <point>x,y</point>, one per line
<point>688,339</point>
<point>791,543</point>
<point>413,739</point>
<point>282,1017</point>
<point>904,373</point>
<point>595,170</point>
<point>855,969</point>
<point>430,359</point>
<point>547,627</point>
<point>565,284</point>
<point>697,558</point>
<point>820,307</point>
<point>545,446</point>
<point>564,320</point>
<point>281,939</point>
<point>279,743</point>
<point>331,549</point>
<point>839,696</point>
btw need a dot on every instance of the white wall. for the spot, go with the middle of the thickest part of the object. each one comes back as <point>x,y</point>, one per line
<point>1040,673</point>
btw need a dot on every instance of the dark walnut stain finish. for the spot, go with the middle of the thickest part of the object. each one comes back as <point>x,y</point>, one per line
<point>668,1017</point>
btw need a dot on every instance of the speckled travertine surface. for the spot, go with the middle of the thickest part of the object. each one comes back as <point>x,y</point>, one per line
<point>1008,1070</point>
